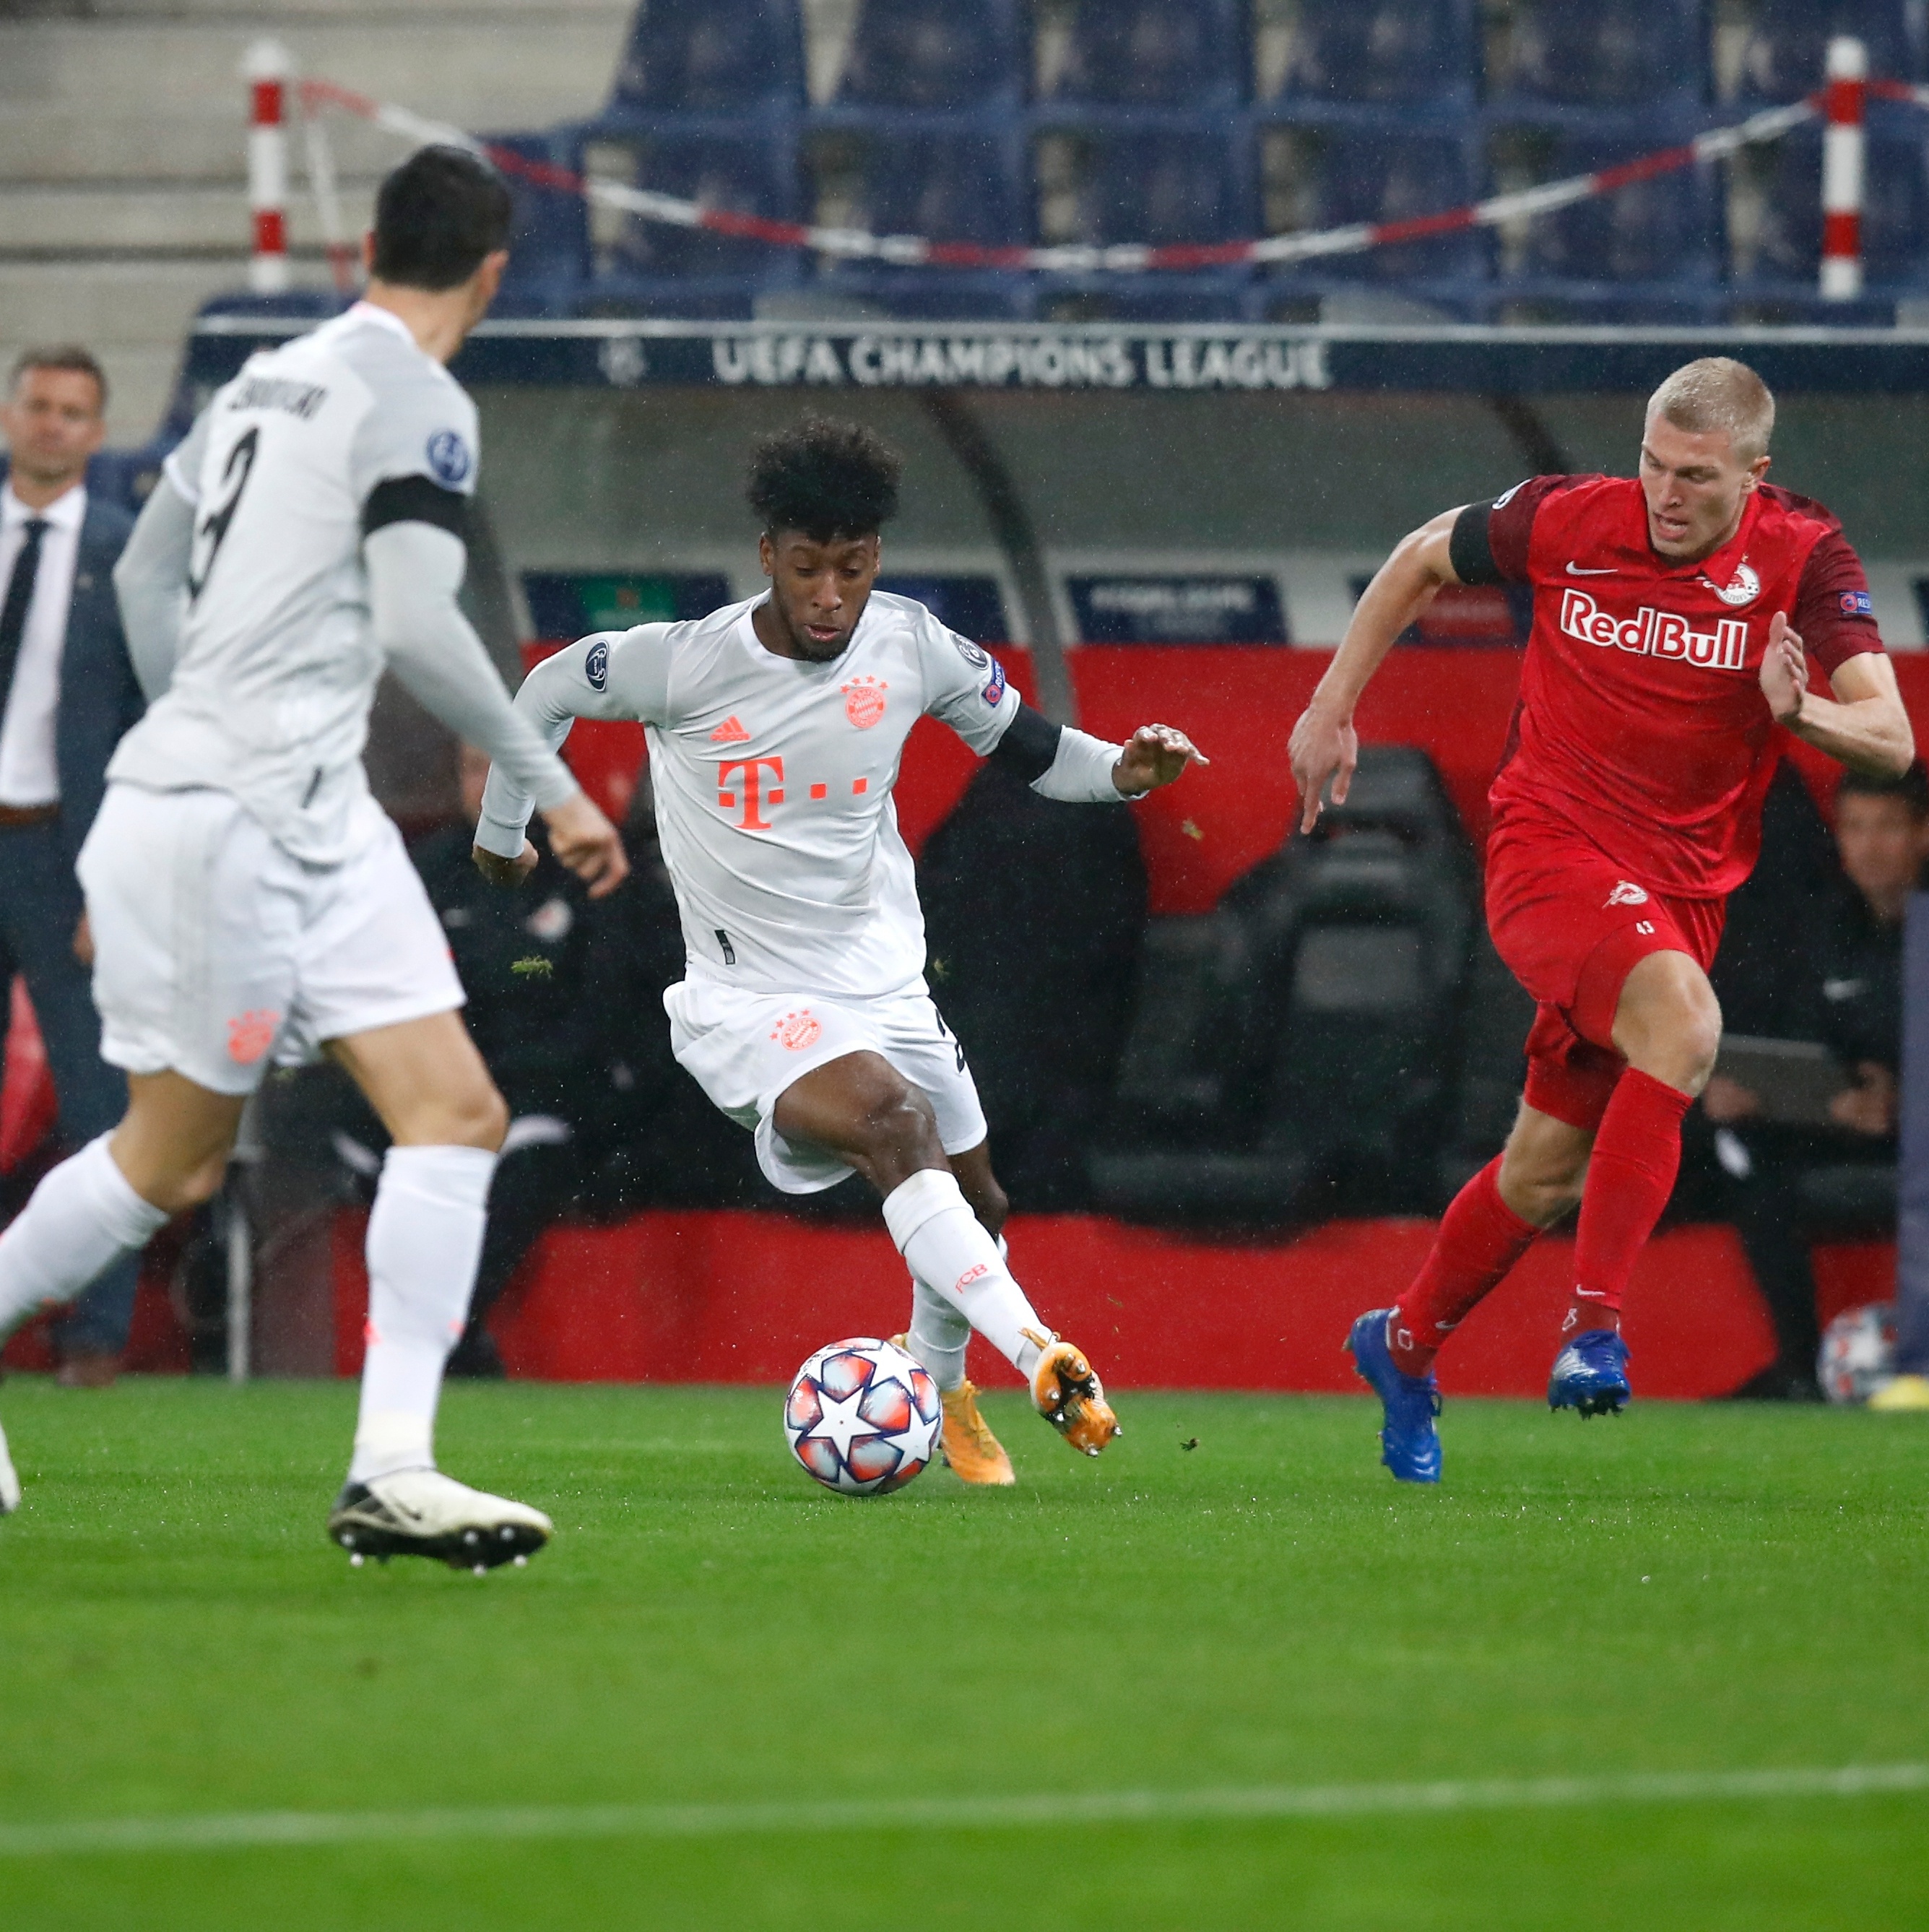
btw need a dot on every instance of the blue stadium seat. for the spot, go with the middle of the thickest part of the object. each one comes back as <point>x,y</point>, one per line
<point>1386,52</point>
<point>1664,232</point>
<point>1329,177</point>
<point>1163,187</point>
<point>948,187</point>
<point>935,55</point>
<point>1156,53</point>
<point>656,265</point>
<point>1607,53</point>
<point>1787,40</point>
<point>1895,214</point>
<point>1160,187</point>
<point>549,244</point>
<point>712,56</point>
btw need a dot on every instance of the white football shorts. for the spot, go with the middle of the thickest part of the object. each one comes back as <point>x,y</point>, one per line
<point>745,1048</point>
<point>216,954</point>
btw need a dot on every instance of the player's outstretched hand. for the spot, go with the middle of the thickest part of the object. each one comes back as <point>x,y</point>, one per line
<point>1155,756</point>
<point>1784,669</point>
<point>508,873</point>
<point>588,844</point>
<point>1322,747</point>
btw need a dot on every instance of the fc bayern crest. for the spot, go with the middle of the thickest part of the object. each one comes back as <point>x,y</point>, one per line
<point>1743,587</point>
<point>864,701</point>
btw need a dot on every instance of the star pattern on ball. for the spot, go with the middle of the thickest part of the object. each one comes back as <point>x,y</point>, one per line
<point>840,1424</point>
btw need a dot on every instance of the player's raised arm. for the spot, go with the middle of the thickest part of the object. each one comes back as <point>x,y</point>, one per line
<point>611,674</point>
<point>966,687</point>
<point>415,572</point>
<point>1324,744</point>
<point>152,578</point>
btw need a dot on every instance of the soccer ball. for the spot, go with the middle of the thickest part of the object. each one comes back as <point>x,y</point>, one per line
<point>1858,1353</point>
<point>863,1417</point>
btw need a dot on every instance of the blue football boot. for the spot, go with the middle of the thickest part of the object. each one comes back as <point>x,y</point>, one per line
<point>1409,1443</point>
<point>1591,1374</point>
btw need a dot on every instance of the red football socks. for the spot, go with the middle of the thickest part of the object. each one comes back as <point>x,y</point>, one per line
<point>1637,1155</point>
<point>1480,1237</point>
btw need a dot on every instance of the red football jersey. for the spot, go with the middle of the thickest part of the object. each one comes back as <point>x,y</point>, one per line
<point>1641,722</point>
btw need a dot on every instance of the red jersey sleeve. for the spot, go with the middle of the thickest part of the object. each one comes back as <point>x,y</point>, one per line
<point>1832,610</point>
<point>1490,540</point>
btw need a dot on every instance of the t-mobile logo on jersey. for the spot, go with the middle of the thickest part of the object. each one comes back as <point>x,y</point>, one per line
<point>1656,634</point>
<point>753,795</point>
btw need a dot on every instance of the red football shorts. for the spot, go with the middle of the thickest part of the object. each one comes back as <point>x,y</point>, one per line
<point>1571,925</point>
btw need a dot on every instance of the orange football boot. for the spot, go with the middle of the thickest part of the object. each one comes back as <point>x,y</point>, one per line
<point>974,1454</point>
<point>1069,1396</point>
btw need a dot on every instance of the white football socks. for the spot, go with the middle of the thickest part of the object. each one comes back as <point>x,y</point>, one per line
<point>83,1216</point>
<point>938,1335</point>
<point>945,1246</point>
<point>424,1241</point>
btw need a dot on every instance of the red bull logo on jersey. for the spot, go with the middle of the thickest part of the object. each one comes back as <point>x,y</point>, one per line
<point>1656,634</point>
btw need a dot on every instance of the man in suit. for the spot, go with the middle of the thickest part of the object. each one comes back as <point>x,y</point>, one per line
<point>67,694</point>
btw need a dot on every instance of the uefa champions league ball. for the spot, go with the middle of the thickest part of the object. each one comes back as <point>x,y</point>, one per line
<point>863,1417</point>
<point>1858,1353</point>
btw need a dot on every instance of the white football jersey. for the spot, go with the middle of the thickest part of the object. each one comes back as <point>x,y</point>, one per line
<point>278,665</point>
<point>773,781</point>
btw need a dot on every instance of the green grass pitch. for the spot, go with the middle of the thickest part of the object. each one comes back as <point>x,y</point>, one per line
<point>1683,1590</point>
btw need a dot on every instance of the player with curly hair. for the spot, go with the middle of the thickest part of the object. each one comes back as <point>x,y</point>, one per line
<point>775,727</point>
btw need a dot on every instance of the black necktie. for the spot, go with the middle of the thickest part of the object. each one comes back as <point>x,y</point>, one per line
<point>19,599</point>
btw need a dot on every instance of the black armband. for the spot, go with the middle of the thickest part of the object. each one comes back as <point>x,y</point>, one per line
<point>1469,549</point>
<point>1030,745</point>
<point>415,499</point>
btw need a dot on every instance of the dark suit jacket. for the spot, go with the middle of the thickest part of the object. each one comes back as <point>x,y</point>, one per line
<point>99,697</point>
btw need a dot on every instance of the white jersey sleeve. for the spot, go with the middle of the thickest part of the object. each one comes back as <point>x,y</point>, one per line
<point>612,674</point>
<point>964,685</point>
<point>423,433</point>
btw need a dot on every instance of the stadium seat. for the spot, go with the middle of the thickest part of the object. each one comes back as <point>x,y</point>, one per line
<point>1321,177</point>
<point>1664,232</point>
<point>711,57</point>
<point>1382,52</point>
<point>549,244</point>
<point>948,186</point>
<point>1787,40</point>
<point>652,265</point>
<point>1155,53</point>
<point>1231,1100</point>
<point>1605,53</point>
<point>1161,186</point>
<point>935,55</point>
<point>1787,246</point>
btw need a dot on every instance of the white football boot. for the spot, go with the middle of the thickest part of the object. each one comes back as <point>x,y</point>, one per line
<point>10,1483</point>
<point>423,1513</point>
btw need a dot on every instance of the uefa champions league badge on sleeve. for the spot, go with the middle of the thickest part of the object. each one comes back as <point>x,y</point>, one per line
<point>449,459</point>
<point>596,665</point>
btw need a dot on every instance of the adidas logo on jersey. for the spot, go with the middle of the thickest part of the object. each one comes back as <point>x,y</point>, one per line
<point>1656,634</point>
<point>730,732</point>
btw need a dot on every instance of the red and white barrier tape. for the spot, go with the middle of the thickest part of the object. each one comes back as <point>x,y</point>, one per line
<point>913,250</point>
